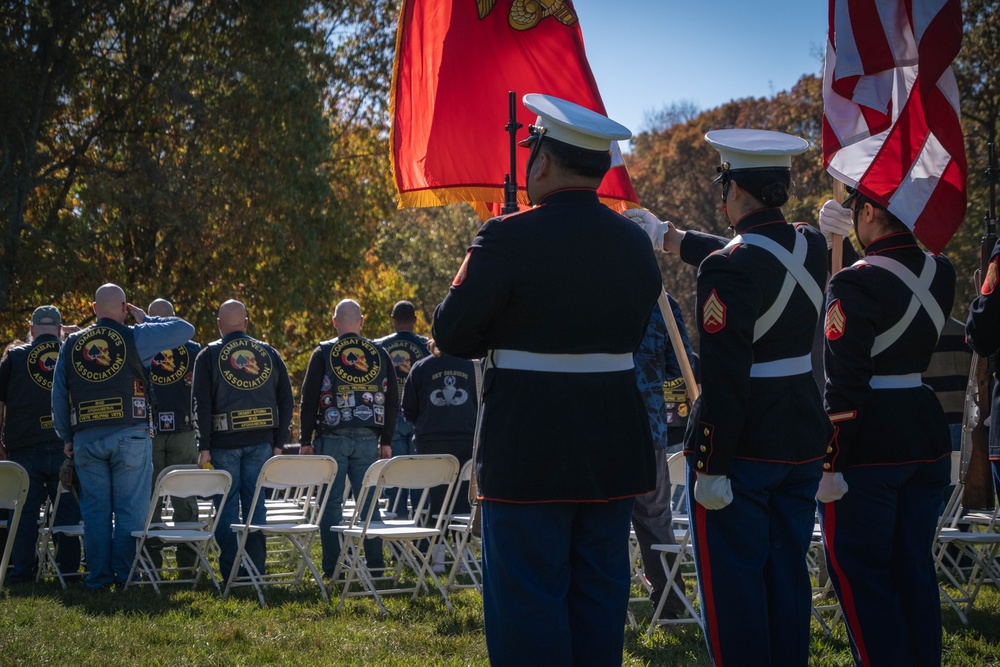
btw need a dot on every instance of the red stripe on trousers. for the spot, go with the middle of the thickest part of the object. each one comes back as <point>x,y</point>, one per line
<point>700,516</point>
<point>846,593</point>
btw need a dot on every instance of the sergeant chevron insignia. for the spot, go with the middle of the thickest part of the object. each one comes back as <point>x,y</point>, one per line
<point>990,283</point>
<point>835,321</point>
<point>713,313</point>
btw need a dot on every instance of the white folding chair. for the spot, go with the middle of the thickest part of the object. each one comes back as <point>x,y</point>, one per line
<point>679,553</point>
<point>965,550</point>
<point>13,494</point>
<point>461,543</point>
<point>184,483</point>
<point>419,474</point>
<point>313,476</point>
<point>48,564</point>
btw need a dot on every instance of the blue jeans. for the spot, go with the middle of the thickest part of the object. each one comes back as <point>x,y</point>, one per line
<point>243,464</point>
<point>42,463</point>
<point>402,445</point>
<point>878,540</point>
<point>751,560</point>
<point>354,450</point>
<point>115,472</point>
<point>555,582</point>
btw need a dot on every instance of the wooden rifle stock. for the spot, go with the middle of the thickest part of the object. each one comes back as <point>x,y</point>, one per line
<point>979,494</point>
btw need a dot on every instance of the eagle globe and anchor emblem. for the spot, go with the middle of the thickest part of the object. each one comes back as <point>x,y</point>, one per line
<point>526,14</point>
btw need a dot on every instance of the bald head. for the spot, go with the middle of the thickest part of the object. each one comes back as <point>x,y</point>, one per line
<point>347,317</point>
<point>232,317</point>
<point>109,301</point>
<point>160,308</point>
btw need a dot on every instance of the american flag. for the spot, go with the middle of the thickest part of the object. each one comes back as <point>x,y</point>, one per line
<point>891,124</point>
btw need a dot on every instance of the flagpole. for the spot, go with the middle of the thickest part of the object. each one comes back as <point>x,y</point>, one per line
<point>691,384</point>
<point>837,258</point>
<point>510,179</point>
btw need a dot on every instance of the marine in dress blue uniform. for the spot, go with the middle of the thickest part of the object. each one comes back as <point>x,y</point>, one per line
<point>564,441</point>
<point>983,333</point>
<point>888,462</point>
<point>758,431</point>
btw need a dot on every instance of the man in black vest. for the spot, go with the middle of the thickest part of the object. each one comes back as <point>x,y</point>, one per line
<point>242,404</point>
<point>27,438</point>
<point>349,403</point>
<point>405,348</point>
<point>174,443</point>
<point>100,408</point>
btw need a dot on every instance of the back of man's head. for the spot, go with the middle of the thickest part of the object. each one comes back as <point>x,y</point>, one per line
<point>232,317</point>
<point>160,308</point>
<point>347,317</point>
<point>109,302</point>
<point>403,316</point>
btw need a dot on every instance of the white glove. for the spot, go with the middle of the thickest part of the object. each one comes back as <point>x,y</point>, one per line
<point>835,219</point>
<point>831,488</point>
<point>654,228</point>
<point>713,492</point>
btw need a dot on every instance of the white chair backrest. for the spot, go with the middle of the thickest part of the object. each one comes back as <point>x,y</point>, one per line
<point>184,483</point>
<point>677,467</point>
<point>420,471</point>
<point>293,470</point>
<point>13,485</point>
<point>177,466</point>
<point>465,474</point>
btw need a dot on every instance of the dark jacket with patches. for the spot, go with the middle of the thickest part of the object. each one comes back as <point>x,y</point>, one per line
<point>983,333</point>
<point>26,391</point>
<point>778,419</point>
<point>883,426</point>
<point>567,277</point>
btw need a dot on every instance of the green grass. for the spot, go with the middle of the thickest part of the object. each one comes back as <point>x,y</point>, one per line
<point>40,624</point>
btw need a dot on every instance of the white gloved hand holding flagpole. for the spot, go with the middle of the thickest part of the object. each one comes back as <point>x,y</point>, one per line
<point>653,226</point>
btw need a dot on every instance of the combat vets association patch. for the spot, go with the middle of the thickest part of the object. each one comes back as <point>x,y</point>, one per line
<point>245,364</point>
<point>355,361</point>
<point>170,366</point>
<point>713,314</point>
<point>42,363</point>
<point>462,270</point>
<point>990,283</point>
<point>835,321</point>
<point>98,354</point>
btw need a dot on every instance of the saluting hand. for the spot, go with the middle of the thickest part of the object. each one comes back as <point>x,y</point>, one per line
<point>137,313</point>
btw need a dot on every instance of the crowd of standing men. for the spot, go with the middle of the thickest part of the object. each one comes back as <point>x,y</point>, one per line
<point>576,417</point>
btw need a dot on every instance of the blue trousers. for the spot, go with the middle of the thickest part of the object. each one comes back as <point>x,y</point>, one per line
<point>42,464</point>
<point>878,541</point>
<point>354,450</point>
<point>115,468</point>
<point>555,582</point>
<point>753,580</point>
<point>402,445</point>
<point>243,464</point>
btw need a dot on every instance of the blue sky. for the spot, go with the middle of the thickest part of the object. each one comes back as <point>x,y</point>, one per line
<point>647,54</point>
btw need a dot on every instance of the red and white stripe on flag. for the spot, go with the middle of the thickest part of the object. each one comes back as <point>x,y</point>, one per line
<point>891,124</point>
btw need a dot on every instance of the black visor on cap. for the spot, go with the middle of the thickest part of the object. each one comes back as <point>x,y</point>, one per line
<point>852,194</point>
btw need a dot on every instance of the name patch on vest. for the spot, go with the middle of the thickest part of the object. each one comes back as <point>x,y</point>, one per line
<point>245,420</point>
<point>245,364</point>
<point>101,410</point>
<point>41,362</point>
<point>98,354</point>
<point>170,366</point>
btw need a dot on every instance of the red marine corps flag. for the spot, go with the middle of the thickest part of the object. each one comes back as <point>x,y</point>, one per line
<point>891,114</point>
<point>455,62</point>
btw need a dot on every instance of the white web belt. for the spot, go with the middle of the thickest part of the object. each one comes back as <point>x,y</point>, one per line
<point>908,381</point>
<point>780,368</point>
<point>560,363</point>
